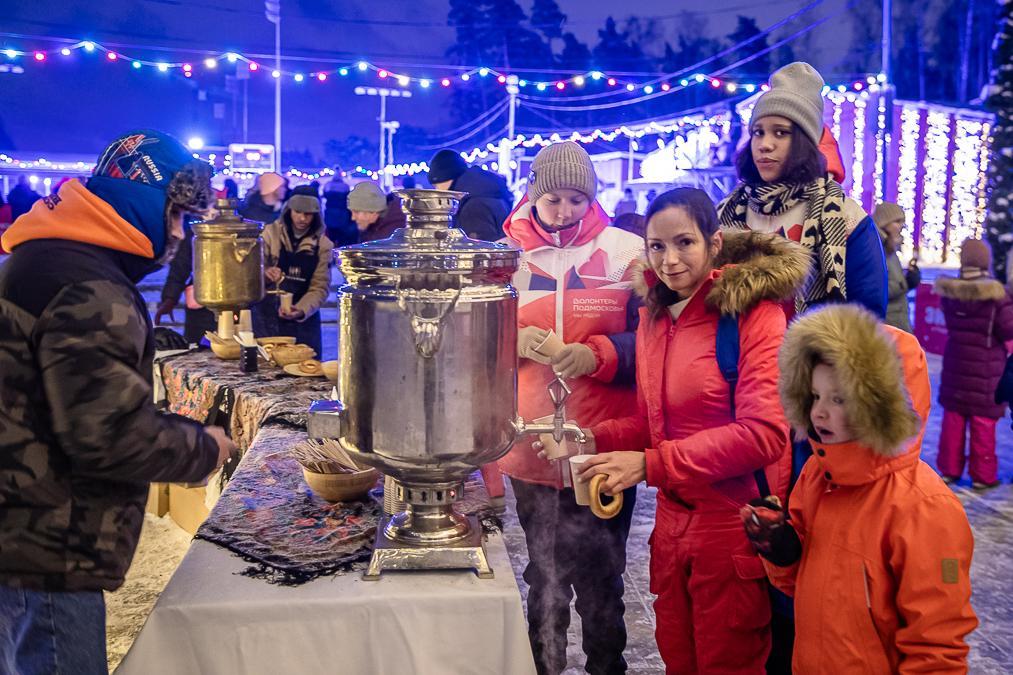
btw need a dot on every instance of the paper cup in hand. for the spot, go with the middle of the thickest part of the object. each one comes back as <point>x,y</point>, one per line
<point>581,487</point>
<point>286,302</point>
<point>550,345</point>
<point>552,449</point>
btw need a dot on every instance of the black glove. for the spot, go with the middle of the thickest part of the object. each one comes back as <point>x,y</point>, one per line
<point>167,339</point>
<point>770,533</point>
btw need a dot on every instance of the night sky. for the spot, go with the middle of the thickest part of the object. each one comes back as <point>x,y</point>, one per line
<point>76,104</point>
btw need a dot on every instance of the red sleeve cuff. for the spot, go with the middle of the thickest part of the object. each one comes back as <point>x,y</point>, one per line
<point>606,357</point>
<point>655,468</point>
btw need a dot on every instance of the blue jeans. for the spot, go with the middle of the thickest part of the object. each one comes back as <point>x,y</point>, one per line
<point>51,633</point>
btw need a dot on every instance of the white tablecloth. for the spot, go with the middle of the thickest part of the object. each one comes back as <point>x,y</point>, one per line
<point>211,620</point>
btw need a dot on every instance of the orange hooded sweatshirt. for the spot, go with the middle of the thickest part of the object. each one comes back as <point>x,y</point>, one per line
<point>75,214</point>
<point>883,583</point>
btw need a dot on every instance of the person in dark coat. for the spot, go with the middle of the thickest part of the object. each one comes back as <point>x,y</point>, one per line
<point>337,218</point>
<point>264,201</point>
<point>21,198</point>
<point>489,201</point>
<point>979,321</point>
<point>80,436</point>
<point>376,215</point>
<point>889,218</point>
<point>197,319</point>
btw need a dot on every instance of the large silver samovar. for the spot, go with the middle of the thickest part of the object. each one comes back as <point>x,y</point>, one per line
<point>228,260</point>
<point>427,384</point>
<point>427,376</point>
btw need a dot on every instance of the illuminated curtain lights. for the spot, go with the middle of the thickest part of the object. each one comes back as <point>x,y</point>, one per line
<point>907,179</point>
<point>966,210</point>
<point>880,151</point>
<point>835,128</point>
<point>858,158</point>
<point>937,144</point>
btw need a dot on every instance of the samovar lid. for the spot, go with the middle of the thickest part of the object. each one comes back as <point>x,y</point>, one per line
<point>430,242</point>
<point>227,220</point>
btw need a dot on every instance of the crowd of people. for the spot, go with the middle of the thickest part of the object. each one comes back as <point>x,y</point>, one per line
<point>750,359</point>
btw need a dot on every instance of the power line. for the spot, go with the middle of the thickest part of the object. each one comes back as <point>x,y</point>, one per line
<point>673,90</point>
<point>700,64</point>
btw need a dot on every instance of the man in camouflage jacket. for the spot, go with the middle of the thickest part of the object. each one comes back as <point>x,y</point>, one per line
<point>80,437</point>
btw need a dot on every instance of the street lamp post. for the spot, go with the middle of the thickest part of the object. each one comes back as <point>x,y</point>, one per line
<point>273,12</point>
<point>386,128</point>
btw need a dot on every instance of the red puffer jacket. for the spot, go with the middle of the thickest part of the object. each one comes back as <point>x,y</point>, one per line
<point>576,283</point>
<point>698,455</point>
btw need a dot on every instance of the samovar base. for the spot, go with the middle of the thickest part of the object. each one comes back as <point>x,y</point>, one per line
<point>465,552</point>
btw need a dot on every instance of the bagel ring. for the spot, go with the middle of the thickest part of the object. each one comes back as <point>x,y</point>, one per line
<point>604,511</point>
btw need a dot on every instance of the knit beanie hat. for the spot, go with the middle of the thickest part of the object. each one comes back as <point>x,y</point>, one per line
<point>886,213</point>
<point>562,165</point>
<point>142,174</point>
<point>975,259</point>
<point>269,182</point>
<point>303,203</point>
<point>366,196</point>
<point>446,165</point>
<point>796,92</point>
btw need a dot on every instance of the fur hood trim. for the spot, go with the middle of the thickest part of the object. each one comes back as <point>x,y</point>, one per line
<point>868,367</point>
<point>755,266</point>
<point>983,288</point>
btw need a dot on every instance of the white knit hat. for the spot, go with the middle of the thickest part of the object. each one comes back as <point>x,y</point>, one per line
<point>796,92</point>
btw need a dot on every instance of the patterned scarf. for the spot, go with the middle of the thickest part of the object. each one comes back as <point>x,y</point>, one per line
<point>824,230</point>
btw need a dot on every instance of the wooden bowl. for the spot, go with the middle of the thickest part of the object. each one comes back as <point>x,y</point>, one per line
<point>284,355</point>
<point>330,370</point>
<point>228,350</point>
<point>341,487</point>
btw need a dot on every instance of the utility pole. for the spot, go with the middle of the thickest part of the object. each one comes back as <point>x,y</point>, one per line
<point>273,11</point>
<point>887,93</point>
<point>506,149</point>
<point>385,126</point>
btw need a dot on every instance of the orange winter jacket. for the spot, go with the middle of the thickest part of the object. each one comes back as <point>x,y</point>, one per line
<point>883,583</point>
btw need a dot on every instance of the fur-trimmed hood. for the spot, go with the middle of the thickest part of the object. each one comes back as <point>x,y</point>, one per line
<point>982,288</point>
<point>867,359</point>
<point>755,266</point>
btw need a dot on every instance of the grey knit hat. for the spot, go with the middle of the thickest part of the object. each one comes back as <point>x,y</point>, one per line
<point>366,196</point>
<point>303,203</point>
<point>562,165</point>
<point>886,213</point>
<point>796,92</point>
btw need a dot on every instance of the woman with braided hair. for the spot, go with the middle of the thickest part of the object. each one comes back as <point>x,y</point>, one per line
<point>784,187</point>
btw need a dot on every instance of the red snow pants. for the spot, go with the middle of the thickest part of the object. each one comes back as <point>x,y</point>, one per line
<point>713,606</point>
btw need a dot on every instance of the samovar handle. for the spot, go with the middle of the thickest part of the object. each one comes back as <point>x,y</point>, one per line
<point>427,330</point>
<point>241,247</point>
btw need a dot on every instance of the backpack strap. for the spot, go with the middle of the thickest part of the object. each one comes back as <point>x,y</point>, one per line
<point>727,351</point>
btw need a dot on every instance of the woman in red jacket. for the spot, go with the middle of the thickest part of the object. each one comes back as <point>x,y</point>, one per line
<point>706,448</point>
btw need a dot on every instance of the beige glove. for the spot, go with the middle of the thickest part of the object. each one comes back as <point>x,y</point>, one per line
<point>528,338</point>
<point>574,360</point>
<point>547,447</point>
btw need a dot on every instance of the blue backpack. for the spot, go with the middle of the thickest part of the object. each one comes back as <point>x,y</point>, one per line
<point>727,352</point>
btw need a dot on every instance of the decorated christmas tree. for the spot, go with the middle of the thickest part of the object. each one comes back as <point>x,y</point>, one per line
<point>999,99</point>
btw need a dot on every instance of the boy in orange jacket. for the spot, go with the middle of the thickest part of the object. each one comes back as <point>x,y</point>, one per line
<point>876,550</point>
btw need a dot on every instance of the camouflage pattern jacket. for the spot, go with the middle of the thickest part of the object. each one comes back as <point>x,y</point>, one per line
<point>80,437</point>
